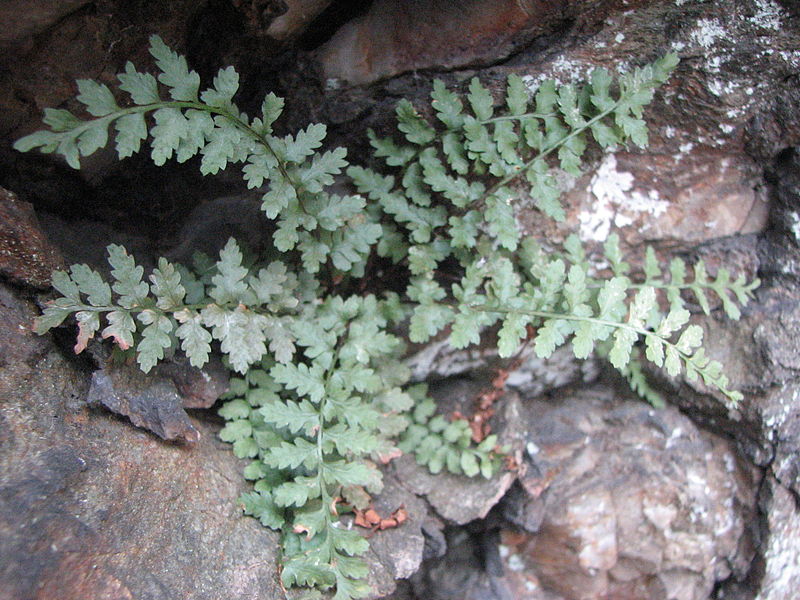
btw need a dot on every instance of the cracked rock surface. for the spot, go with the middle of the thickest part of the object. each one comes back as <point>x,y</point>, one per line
<point>611,499</point>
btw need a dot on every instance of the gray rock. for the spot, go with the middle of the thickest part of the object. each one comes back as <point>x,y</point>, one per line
<point>91,507</point>
<point>614,500</point>
<point>781,578</point>
<point>632,502</point>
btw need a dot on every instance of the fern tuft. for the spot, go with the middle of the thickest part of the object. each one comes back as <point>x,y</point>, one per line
<point>321,396</point>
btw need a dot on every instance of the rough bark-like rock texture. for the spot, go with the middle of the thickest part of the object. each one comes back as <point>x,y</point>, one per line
<point>633,503</point>
<point>26,255</point>
<point>91,507</point>
<point>614,500</point>
<point>611,499</point>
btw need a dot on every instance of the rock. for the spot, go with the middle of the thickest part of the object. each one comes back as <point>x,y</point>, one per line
<point>299,13</point>
<point>628,502</point>
<point>614,500</point>
<point>26,255</point>
<point>210,224</point>
<point>527,373</point>
<point>781,578</point>
<point>398,36</point>
<point>397,553</point>
<point>22,20</point>
<point>700,178</point>
<point>713,126</point>
<point>198,388</point>
<point>476,496</point>
<point>149,401</point>
<point>91,507</point>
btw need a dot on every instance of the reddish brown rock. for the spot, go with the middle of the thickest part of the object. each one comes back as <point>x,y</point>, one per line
<point>91,507</point>
<point>397,36</point>
<point>299,13</point>
<point>23,19</point>
<point>614,500</point>
<point>26,256</point>
<point>630,502</point>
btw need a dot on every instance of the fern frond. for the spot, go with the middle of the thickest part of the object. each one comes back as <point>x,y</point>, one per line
<point>321,397</point>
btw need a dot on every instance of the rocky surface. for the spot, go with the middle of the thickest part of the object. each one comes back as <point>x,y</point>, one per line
<point>631,502</point>
<point>611,499</point>
<point>91,507</point>
<point>701,177</point>
<point>397,36</point>
<point>26,255</point>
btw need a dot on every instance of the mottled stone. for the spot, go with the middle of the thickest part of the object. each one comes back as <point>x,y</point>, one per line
<point>91,507</point>
<point>627,502</point>
<point>397,36</point>
<point>299,13</point>
<point>26,255</point>
<point>781,578</point>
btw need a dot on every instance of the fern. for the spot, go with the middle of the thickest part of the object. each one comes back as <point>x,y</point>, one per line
<point>439,444</point>
<point>322,397</point>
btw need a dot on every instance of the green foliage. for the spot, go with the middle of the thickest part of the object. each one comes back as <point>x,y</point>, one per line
<point>441,444</point>
<point>322,396</point>
<point>315,430</point>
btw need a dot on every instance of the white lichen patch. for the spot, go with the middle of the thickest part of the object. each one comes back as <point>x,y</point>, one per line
<point>768,15</point>
<point>562,70</point>
<point>792,57</point>
<point>714,63</point>
<point>721,88</point>
<point>795,218</point>
<point>616,203</point>
<point>708,31</point>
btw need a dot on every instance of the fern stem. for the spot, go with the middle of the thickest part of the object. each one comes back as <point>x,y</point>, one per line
<point>640,332</point>
<point>532,115</point>
<point>547,151</point>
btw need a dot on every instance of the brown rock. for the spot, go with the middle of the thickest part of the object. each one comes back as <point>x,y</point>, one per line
<point>22,19</point>
<point>91,507</point>
<point>701,177</point>
<point>198,388</point>
<point>630,503</point>
<point>150,402</point>
<point>26,255</point>
<point>299,13</point>
<point>397,36</point>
